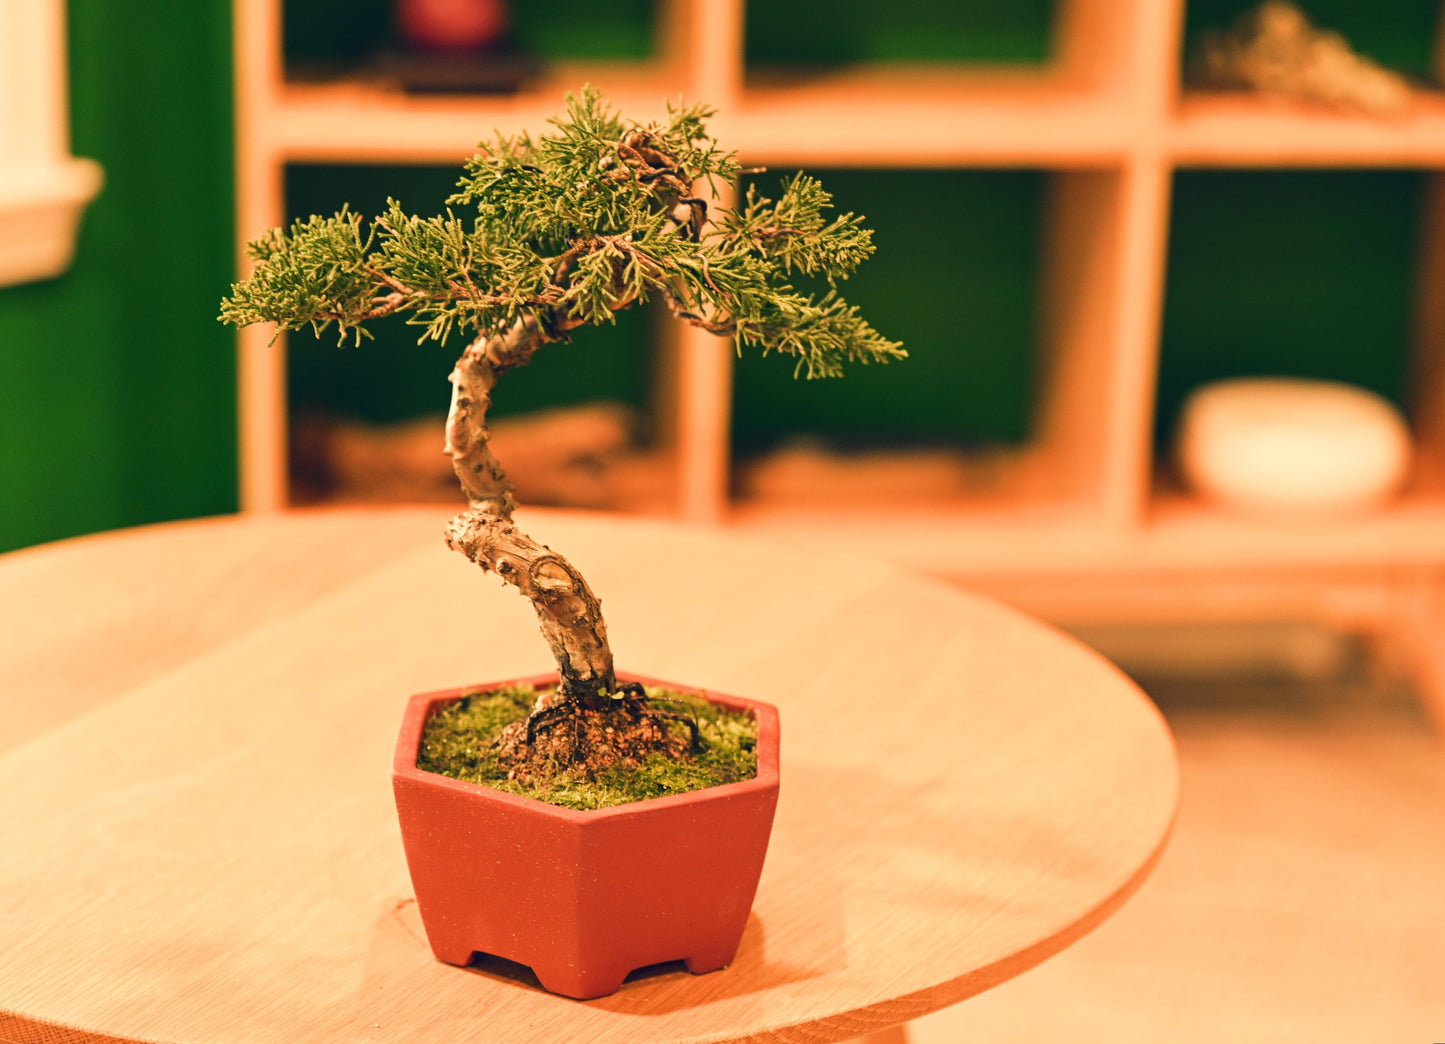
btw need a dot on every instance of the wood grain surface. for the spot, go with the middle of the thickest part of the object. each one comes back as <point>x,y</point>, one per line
<point>197,837</point>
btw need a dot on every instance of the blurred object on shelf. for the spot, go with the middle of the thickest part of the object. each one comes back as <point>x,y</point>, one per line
<point>452,25</point>
<point>455,47</point>
<point>581,456</point>
<point>1293,446</point>
<point>805,472</point>
<point>1275,49</point>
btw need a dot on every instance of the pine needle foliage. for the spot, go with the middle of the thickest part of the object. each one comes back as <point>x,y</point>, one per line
<point>570,228</point>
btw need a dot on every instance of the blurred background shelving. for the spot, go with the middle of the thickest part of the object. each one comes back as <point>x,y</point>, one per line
<point>1069,242</point>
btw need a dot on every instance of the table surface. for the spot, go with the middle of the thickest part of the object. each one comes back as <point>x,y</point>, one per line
<point>197,836</point>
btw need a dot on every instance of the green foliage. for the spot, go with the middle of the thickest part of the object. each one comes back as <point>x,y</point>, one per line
<point>570,228</point>
<point>312,276</point>
<point>457,742</point>
<point>794,231</point>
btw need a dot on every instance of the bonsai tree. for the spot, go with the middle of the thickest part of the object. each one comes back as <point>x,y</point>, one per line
<point>565,231</point>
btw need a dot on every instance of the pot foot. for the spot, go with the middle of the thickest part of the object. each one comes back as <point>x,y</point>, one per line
<point>449,952</point>
<point>580,985</point>
<point>712,961</point>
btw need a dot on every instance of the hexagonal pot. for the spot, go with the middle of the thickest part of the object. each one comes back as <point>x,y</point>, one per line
<point>583,897</point>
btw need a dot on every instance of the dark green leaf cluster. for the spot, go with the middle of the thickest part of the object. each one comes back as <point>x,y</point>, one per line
<point>313,275</point>
<point>588,179</point>
<point>566,230</point>
<point>794,230</point>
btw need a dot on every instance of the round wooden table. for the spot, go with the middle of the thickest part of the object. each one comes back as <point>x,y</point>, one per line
<point>197,836</point>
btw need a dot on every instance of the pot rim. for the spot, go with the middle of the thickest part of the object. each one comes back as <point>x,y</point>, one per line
<point>420,707</point>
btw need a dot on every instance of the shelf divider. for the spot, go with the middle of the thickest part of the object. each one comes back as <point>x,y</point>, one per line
<point>1128,434</point>
<point>1078,330</point>
<point>703,415</point>
<point>713,50</point>
<point>704,418</point>
<point>260,361</point>
<point>1427,382</point>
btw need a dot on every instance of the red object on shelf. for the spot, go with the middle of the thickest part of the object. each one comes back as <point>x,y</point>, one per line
<point>452,25</point>
<point>584,897</point>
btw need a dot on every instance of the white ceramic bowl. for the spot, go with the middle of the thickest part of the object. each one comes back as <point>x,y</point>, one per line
<point>1292,446</point>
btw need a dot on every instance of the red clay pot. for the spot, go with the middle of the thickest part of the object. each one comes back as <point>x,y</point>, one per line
<point>584,898</point>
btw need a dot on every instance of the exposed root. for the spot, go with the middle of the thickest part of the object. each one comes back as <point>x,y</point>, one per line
<point>625,734</point>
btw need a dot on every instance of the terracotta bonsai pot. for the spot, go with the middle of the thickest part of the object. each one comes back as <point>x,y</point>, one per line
<point>584,898</point>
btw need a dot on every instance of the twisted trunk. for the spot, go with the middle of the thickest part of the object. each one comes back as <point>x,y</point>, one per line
<point>569,613</point>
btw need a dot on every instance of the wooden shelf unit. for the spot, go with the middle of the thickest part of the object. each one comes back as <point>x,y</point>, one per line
<point>1107,118</point>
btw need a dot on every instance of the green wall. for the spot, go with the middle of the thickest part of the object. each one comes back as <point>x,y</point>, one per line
<point>804,33</point>
<point>117,394</point>
<point>954,278</point>
<point>1304,273</point>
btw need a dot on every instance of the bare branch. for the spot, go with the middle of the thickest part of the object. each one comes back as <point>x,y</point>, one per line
<point>723,328</point>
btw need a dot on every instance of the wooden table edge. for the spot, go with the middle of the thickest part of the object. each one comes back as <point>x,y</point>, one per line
<point>885,1014</point>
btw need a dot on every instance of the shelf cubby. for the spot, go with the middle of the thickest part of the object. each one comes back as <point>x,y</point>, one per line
<point>1051,472</point>
<point>1292,274</point>
<point>391,379</point>
<point>1233,129</point>
<point>1400,34</point>
<point>966,241</point>
<point>1316,274</point>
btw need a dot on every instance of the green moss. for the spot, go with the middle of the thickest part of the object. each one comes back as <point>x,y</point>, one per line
<point>457,742</point>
